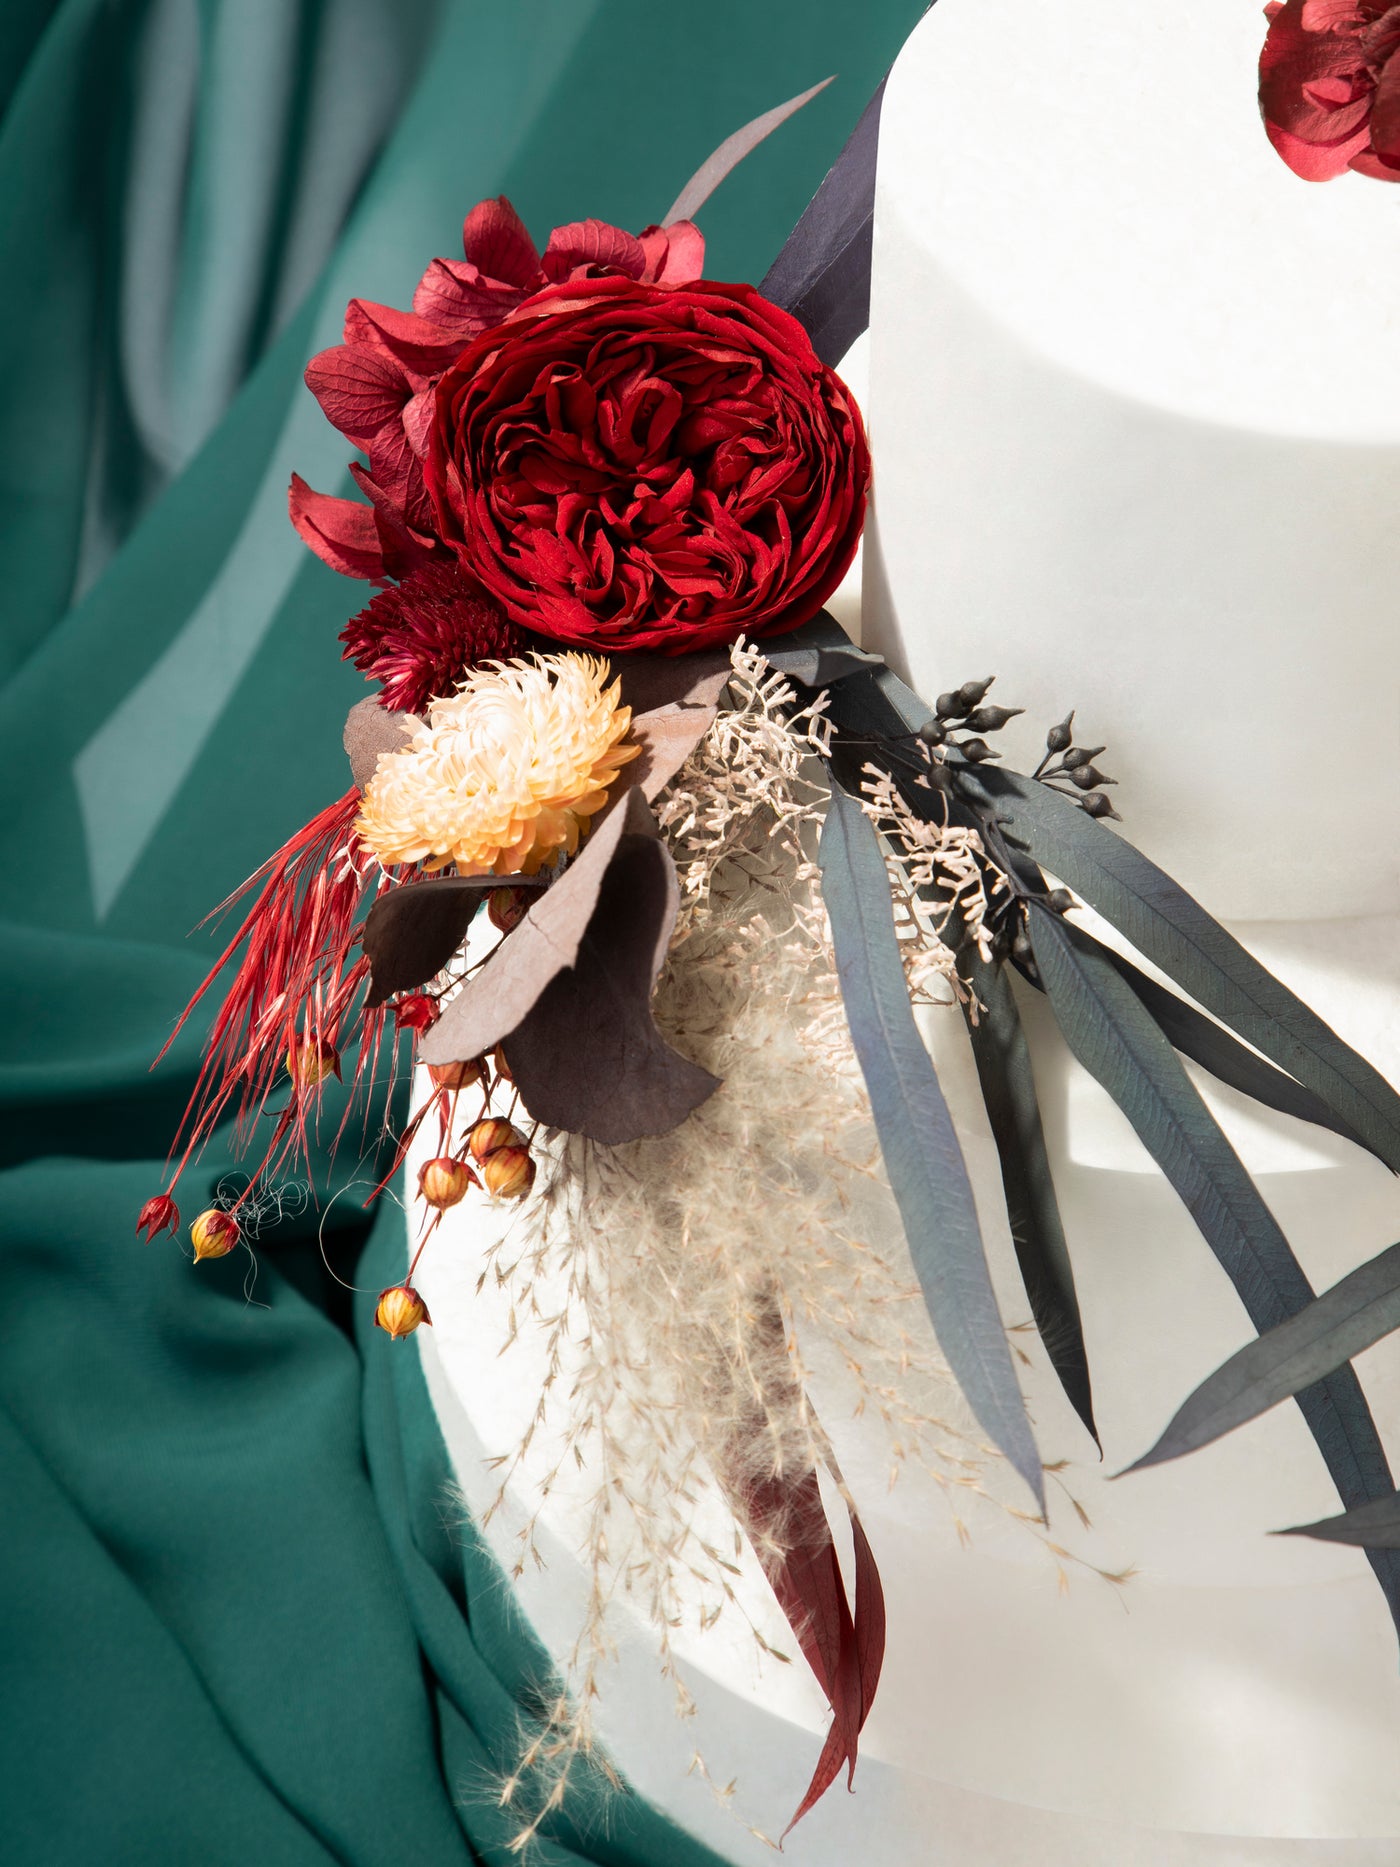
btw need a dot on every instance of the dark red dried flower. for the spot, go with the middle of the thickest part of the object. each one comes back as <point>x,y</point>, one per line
<point>159,1214</point>
<point>416,1012</point>
<point>419,637</point>
<point>1329,87</point>
<point>630,466</point>
<point>377,385</point>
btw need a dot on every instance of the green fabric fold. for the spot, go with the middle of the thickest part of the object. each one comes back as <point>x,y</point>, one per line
<point>242,1620</point>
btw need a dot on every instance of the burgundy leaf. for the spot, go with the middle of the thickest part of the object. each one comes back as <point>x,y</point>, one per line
<point>412,931</point>
<point>571,987</point>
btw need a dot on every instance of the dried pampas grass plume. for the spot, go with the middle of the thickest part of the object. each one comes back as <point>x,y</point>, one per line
<point>677,1343</point>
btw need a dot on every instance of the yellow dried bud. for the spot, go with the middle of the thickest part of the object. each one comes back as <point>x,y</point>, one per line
<point>214,1234</point>
<point>457,1075</point>
<point>509,1172</point>
<point>503,1070</point>
<point>310,1060</point>
<point>444,1181</point>
<point>489,1136</point>
<point>400,1310</point>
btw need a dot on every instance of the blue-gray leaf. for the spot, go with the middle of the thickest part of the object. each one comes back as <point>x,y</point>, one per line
<point>1369,1526</point>
<point>1353,1314</point>
<point>1176,933</point>
<point>1115,1038</point>
<point>923,1159</point>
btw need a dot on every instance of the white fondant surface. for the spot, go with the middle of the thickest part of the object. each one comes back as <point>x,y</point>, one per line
<point>1135,406</point>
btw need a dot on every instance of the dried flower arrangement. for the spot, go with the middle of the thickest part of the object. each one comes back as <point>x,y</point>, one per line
<point>607,500</point>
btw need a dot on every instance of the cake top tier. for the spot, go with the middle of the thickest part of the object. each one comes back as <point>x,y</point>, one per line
<point>1095,172</point>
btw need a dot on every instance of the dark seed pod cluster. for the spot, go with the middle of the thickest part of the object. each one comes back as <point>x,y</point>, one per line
<point>1065,763</point>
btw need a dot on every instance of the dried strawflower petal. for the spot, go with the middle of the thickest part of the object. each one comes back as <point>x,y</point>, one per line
<point>506,774</point>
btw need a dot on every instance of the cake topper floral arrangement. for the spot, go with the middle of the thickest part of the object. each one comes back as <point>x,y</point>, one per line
<point>650,864</point>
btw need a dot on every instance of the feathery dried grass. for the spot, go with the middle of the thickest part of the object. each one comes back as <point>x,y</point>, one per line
<point>695,1264</point>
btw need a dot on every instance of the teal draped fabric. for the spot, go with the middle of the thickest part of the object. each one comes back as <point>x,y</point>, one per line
<point>240,1623</point>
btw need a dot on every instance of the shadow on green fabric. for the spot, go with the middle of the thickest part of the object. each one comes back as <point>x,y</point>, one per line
<point>243,1622</point>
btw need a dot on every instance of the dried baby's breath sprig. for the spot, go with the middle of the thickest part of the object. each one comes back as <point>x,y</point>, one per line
<point>943,882</point>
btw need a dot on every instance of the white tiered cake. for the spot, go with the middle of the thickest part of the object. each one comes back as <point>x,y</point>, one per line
<point>1135,407</point>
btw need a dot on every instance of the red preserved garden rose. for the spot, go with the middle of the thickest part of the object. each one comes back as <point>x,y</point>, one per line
<point>1329,87</point>
<point>625,465</point>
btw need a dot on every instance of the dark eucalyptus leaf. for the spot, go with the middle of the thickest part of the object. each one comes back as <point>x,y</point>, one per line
<point>1229,1061</point>
<point>1355,1313</point>
<point>412,931</point>
<point>1107,1027</point>
<point>922,1156</point>
<point>587,1056</point>
<point>1369,1526</point>
<point>822,274</point>
<point>819,653</point>
<point>1008,1089</point>
<point>1163,922</point>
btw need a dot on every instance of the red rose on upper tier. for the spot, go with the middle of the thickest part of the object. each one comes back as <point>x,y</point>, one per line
<point>633,466</point>
<point>1329,87</point>
<point>377,385</point>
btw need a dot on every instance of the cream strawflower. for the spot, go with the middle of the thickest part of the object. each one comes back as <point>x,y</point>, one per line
<point>506,772</point>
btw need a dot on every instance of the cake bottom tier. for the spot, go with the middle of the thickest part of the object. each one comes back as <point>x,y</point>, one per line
<point>1235,1703</point>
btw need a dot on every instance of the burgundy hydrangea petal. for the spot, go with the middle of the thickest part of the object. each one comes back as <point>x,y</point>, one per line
<point>590,247</point>
<point>498,244</point>
<point>1385,115</point>
<point>422,348</point>
<point>454,294</point>
<point>404,549</point>
<point>341,532</point>
<point>1317,162</point>
<point>360,391</point>
<point>1378,168</point>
